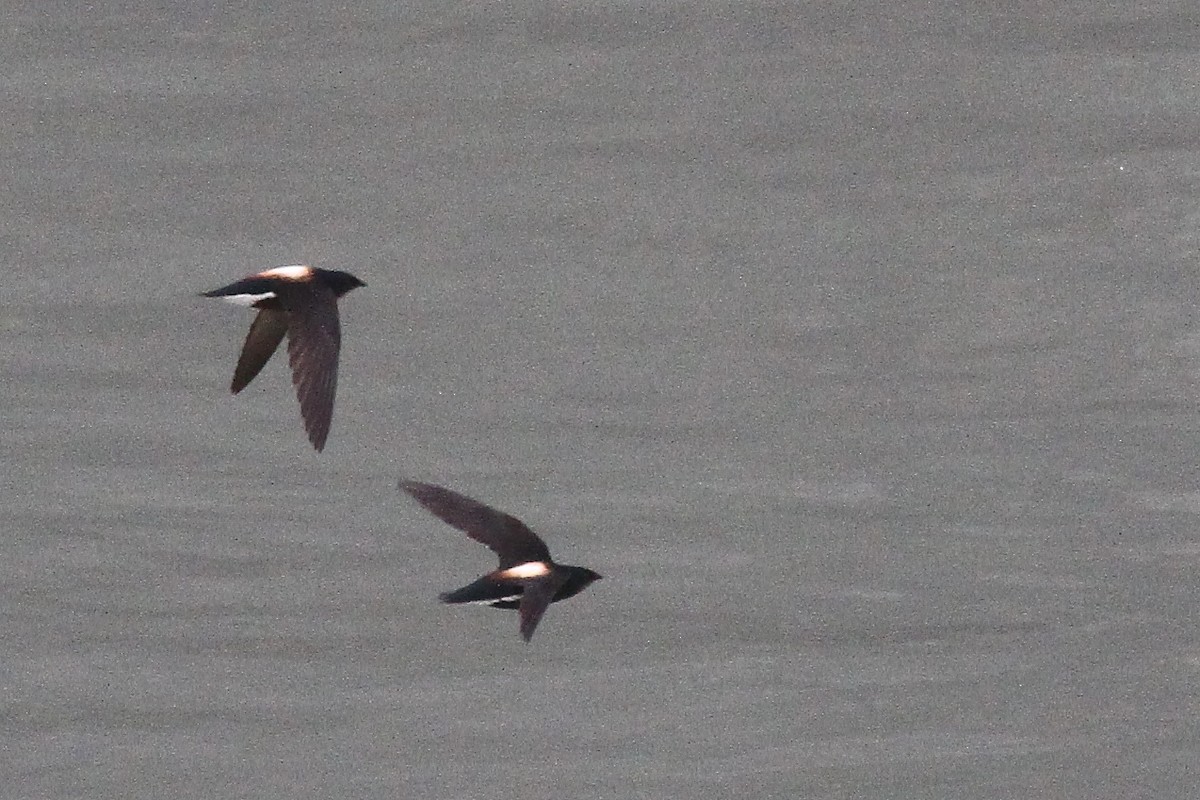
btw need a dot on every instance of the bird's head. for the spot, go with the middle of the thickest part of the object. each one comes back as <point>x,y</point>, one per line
<point>340,282</point>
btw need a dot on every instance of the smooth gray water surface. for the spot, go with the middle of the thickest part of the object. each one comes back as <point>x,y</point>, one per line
<point>856,348</point>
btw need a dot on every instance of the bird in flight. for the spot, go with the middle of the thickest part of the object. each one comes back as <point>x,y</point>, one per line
<point>300,302</point>
<point>527,579</point>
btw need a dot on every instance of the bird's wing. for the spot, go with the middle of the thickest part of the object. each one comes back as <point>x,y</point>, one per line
<point>314,339</point>
<point>266,332</point>
<point>535,600</point>
<point>504,534</point>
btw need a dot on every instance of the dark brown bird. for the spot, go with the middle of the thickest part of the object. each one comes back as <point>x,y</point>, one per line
<point>527,580</point>
<point>301,302</point>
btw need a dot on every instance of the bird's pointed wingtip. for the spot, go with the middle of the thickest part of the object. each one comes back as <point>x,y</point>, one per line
<point>316,436</point>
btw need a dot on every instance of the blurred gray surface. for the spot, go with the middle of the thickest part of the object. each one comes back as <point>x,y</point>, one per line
<point>856,348</point>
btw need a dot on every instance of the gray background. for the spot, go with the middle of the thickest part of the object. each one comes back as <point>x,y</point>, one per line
<point>855,347</point>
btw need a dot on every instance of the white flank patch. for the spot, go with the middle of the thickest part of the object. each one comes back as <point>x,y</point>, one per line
<point>492,602</point>
<point>532,569</point>
<point>294,273</point>
<point>247,299</point>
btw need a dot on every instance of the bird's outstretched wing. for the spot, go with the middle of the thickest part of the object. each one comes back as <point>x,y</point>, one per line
<point>266,332</point>
<point>535,599</point>
<point>504,534</point>
<point>314,339</point>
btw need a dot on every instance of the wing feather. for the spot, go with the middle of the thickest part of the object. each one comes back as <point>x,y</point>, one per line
<point>535,599</point>
<point>503,534</point>
<point>266,332</point>
<point>314,340</point>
